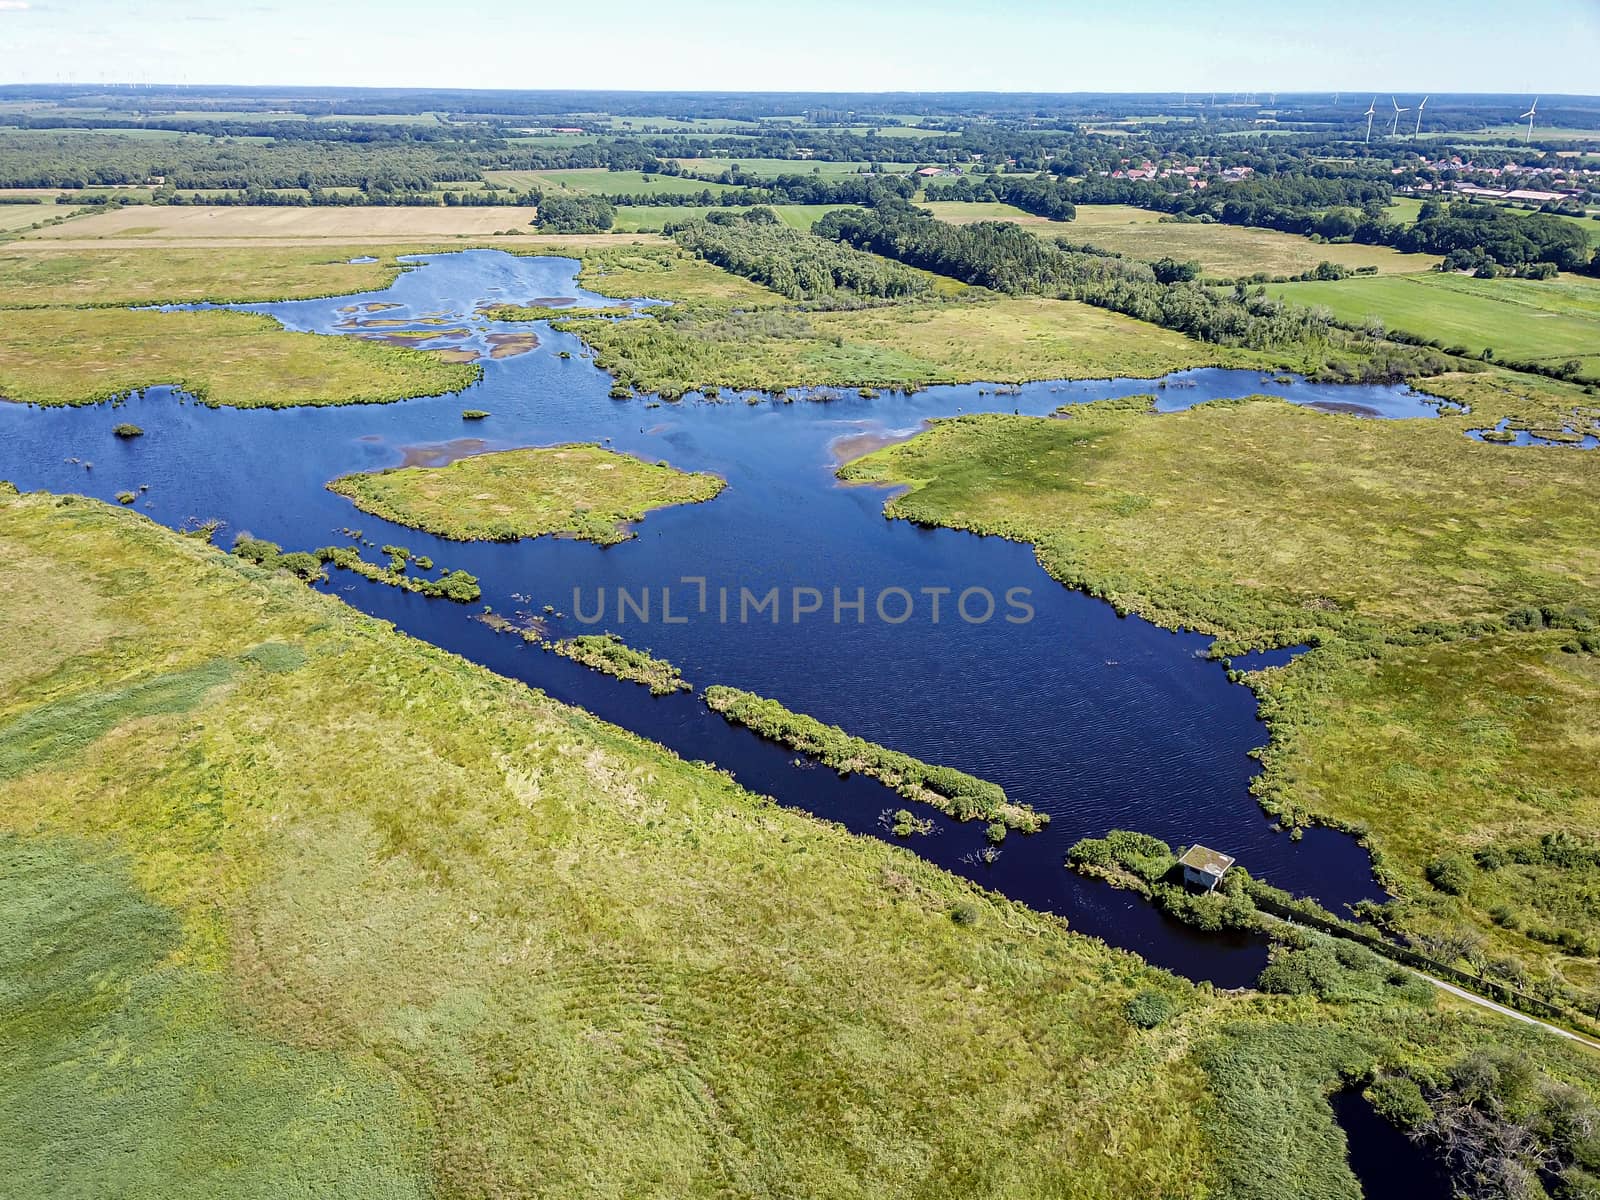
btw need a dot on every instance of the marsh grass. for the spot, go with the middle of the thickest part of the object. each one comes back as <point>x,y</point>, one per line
<point>233,359</point>
<point>439,910</point>
<point>962,796</point>
<point>579,490</point>
<point>609,653</point>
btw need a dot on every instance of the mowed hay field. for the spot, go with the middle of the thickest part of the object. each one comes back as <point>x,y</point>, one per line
<point>162,222</point>
<point>20,216</point>
<point>1546,320</point>
<point>651,218</point>
<point>603,182</point>
<point>1224,251</point>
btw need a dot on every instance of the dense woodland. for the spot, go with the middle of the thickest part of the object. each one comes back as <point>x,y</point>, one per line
<point>797,265</point>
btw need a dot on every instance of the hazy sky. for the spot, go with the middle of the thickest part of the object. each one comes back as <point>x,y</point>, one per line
<point>1533,46</point>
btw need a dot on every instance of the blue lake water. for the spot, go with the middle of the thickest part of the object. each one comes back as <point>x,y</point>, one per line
<point>1100,721</point>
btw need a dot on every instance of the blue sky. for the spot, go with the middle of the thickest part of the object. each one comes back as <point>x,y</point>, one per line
<point>1532,46</point>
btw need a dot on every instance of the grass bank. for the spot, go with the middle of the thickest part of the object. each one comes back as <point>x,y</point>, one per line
<point>962,796</point>
<point>581,491</point>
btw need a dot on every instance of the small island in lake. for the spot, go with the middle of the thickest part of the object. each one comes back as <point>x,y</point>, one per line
<point>581,490</point>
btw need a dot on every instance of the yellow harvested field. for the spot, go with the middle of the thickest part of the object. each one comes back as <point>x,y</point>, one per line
<point>163,223</point>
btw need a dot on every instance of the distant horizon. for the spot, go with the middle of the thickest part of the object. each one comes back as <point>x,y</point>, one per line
<point>1225,96</point>
<point>1044,47</point>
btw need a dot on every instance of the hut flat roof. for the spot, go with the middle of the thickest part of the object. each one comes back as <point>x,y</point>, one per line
<point>1211,862</point>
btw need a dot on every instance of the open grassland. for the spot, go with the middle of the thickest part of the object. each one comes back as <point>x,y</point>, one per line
<point>1009,340</point>
<point>770,168</point>
<point>165,223</point>
<point>1256,517</point>
<point>1539,320</point>
<point>1227,251</point>
<point>597,969</point>
<point>1458,760</point>
<point>600,181</point>
<point>19,216</point>
<point>649,218</point>
<point>728,332</point>
<point>581,491</point>
<point>242,360</point>
<point>31,276</point>
<point>669,273</point>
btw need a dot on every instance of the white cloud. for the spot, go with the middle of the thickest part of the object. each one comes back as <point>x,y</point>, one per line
<point>13,5</point>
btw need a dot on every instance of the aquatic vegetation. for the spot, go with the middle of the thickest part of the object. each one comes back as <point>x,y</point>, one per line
<point>582,491</point>
<point>126,430</point>
<point>609,653</point>
<point>459,586</point>
<point>962,796</point>
<point>545,312</point>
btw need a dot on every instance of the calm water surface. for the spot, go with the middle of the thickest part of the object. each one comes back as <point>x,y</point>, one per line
<point>1098,720</point>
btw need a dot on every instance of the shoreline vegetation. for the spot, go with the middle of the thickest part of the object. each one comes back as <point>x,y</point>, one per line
<point>1448,590</point>
<point>609,654</point>
<point>578,490</point>
<point>955,793</point>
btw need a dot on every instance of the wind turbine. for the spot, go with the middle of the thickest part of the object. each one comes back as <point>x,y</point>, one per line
<point>1372,110</point>
<point>1418,129</point>
<point>1533,110</point>
<point>1394,130</point>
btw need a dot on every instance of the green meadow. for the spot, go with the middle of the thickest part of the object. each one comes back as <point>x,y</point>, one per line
<point>1540,320</point>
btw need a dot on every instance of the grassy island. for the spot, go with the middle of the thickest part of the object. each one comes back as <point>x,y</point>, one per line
<point>962,796</point>
<point>609,653</point>
<point>581,491</point>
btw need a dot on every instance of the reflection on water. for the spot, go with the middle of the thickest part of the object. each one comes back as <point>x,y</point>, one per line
<point>1099,720</point>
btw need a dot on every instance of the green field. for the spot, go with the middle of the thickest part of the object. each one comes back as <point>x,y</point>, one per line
<point>650,218</point>
<point>769,167</point>
<point>1406,209</point>
<point>603,182</point>
<point>1548,321</point>
<point>19,216</point>
<point>585,492</point>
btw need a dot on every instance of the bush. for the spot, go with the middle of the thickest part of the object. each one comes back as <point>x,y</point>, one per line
<point>128,431</point>
<point>473,414</point>
<point>1149,1009</point>
<point>1399,1100</point>
<point>1451,873</point>
<point>995,833</point>
<point>964,914</point>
